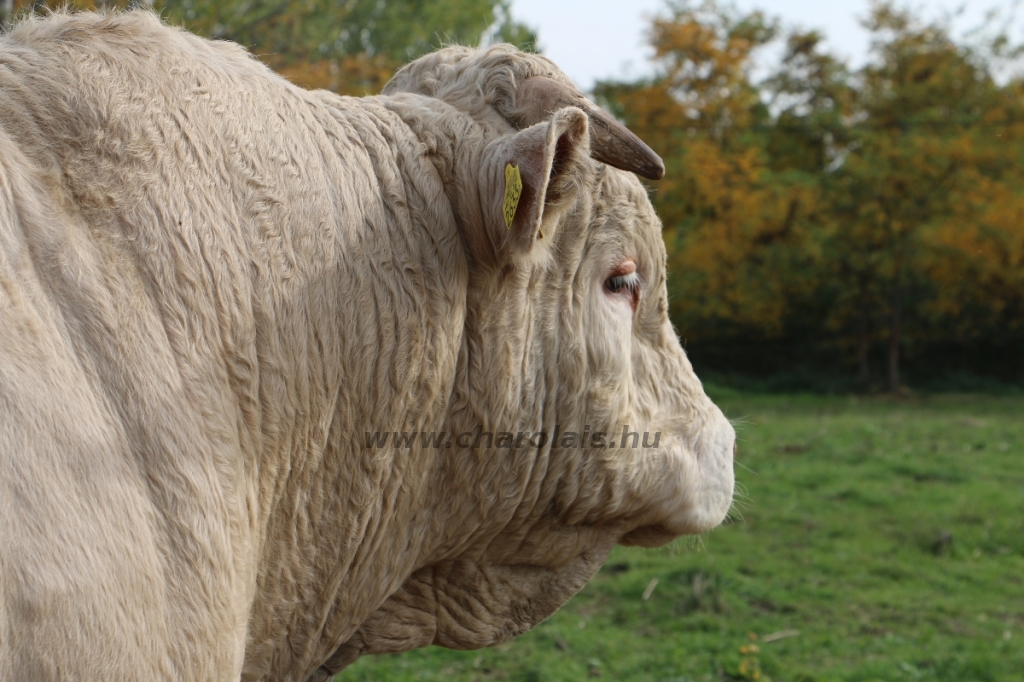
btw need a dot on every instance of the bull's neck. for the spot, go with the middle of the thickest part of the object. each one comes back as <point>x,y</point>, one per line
<point>363,341</point>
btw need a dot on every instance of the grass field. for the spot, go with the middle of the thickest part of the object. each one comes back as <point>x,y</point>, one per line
<point>875,539</point>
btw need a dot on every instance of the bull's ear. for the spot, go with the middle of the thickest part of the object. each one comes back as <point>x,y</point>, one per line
<point>531,178</point>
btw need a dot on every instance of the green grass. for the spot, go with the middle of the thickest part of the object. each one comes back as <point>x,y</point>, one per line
<point>888,532</point>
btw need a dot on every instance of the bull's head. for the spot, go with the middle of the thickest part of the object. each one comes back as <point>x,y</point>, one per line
<point>567,335</point>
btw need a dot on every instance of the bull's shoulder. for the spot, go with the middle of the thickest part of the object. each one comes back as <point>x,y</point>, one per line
<point>62,448</point>
<point>97,425</point>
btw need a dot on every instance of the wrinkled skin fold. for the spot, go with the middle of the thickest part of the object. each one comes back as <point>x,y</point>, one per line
<point>214,284</point>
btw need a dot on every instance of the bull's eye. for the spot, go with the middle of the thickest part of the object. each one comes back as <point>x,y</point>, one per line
<point>628,282</point>
<point>624,283</point>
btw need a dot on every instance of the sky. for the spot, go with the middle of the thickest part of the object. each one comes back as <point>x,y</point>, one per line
<point>595,39</point>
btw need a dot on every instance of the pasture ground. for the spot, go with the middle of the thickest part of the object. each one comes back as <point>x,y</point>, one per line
<point>875,539</point>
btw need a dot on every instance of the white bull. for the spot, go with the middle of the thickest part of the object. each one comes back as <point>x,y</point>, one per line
<point>217,290</point>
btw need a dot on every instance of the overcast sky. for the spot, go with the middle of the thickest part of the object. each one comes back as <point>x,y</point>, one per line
<point>594,39</point>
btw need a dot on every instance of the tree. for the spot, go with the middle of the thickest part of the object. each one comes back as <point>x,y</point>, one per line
<point>921,151</point>
<point>831,210</point>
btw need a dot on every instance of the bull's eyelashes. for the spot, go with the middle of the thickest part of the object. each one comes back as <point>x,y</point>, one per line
<point>622,285</point>
<point>629,284</point>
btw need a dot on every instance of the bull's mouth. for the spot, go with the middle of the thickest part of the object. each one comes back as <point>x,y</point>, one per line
<point>649,536</point>
<point>695,488</point>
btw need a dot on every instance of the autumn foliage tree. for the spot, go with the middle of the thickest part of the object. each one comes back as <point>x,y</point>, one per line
<point>932,162</point>
<point>847,218</point>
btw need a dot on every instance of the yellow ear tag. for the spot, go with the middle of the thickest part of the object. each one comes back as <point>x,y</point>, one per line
<point>513,190</point>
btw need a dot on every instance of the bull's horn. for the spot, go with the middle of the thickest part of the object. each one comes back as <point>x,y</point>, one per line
<point>610,142</point>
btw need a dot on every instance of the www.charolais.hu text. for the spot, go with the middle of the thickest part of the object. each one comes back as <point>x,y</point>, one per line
<point>479,438</point>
